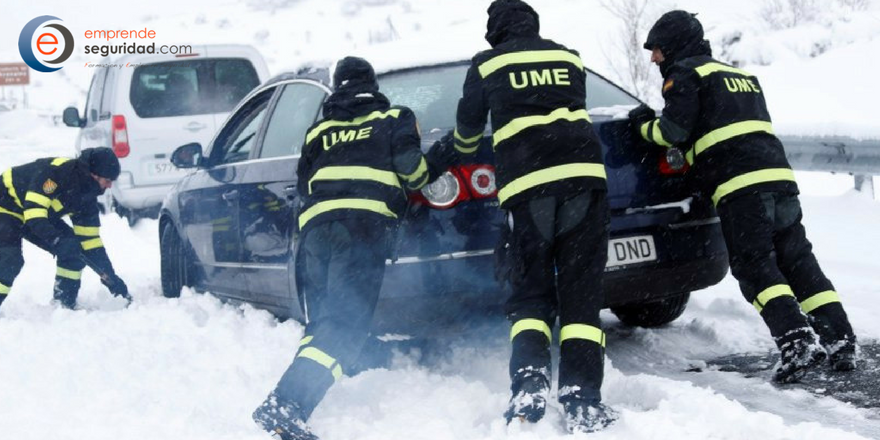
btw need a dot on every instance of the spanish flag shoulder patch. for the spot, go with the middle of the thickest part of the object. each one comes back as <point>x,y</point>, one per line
<point>668,85</point>
<point>49,186</point>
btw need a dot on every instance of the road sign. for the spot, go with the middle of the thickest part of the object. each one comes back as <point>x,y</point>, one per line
<point>14,74</point>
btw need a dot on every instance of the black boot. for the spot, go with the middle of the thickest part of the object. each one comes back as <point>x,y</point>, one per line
<point>843,355</point>
<point>529,401</point>
<point>800,350</point>
<point>586,417</point>
<point>836,335</point>
<point>283,421</point>
<point>65,292</point>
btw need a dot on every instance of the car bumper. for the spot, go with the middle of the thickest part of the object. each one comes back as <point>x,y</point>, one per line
<point>140,197</point>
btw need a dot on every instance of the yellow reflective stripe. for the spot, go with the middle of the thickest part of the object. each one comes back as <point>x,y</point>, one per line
<point>322,358</point>
<point>4,289</point>
<point>689,156</point>
<point>655,135</point>
<point>88,245</point>
<point>467,141</point>
<point>529,56</point>
<point>753,178</point>
<point>56,205</point>
<point>67,273</point>
<point>730,131</point>
<point>305,340</point>
<point>87,231</point>
<point>355,173</point>
<point>330,205</point>
<point>519,124</point>
<point>418,174</point>
<point>548,175</point>
<point>819,300</point>
<point>466,150</point>
<point>33,213</point>
<point>710,68</point>
<point>529,324</point>
<point>771,293</point>
<point>59,161</point>
<point>7,181</point>
<point>16,215</point>
<point>315,132</point>
<point>39,199</point>
<point>582,331</point>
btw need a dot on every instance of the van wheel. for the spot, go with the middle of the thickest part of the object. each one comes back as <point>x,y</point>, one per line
<point>173,262</point>
<point>653,314</point>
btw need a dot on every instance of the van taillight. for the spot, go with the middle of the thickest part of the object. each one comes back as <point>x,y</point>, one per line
<point>119,135</point>
<point>459,183</point>
<point>673,162</point>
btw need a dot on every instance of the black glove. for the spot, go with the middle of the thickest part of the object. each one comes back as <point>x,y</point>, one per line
<point>640,115</point>
<point>441,156</point>
<point>66,247</point>
<point>116,286</point>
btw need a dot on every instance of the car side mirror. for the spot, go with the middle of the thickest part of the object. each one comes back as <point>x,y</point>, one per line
<point>71,117</point>
<point>187,156</point>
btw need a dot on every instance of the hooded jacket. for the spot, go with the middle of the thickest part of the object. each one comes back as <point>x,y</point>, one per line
<point>535,91</point>
<point>359,160</point>
<point>717,114</point>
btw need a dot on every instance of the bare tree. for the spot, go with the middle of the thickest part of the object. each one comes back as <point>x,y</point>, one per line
<point>633,70</point>
<point>785,14</point>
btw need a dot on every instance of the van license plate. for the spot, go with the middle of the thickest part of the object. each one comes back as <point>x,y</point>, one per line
<point>162,167</point>
<point>630,250</point>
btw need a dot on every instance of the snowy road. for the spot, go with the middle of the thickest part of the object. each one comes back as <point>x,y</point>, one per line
<point>193,368</point>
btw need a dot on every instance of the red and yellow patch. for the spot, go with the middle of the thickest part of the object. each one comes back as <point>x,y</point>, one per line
<point>49,186</point>
<point>668,85</point>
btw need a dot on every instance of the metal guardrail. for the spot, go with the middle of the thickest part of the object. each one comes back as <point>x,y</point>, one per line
<point>836,154</point>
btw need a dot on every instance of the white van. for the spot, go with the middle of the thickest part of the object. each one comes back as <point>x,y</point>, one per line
<point>145,106</point>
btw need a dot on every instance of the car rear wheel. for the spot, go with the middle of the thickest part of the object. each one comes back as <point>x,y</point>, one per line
<point>173,264</point>
<point>653,314</point>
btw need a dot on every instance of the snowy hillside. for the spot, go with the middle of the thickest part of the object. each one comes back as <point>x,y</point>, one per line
<point>194,368</point>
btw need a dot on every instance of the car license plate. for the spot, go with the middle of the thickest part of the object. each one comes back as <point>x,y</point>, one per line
<point>162,167</point>
<point>630,250</point>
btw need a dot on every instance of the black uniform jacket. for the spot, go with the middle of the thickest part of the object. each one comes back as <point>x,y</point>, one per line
<point>718,115</point>
<point>359,160</point>
<point>42,192</point>
<point>542,135</point>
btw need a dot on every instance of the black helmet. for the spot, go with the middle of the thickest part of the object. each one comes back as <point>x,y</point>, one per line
<point>101,161</point>
<point>510,18</point>
<point>674,31</point>
<point>356,74</point>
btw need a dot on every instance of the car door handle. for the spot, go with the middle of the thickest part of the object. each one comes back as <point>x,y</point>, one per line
<point>230,196</point>
<point>195,126</point>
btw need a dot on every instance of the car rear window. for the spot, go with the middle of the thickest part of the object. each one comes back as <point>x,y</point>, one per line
<point>191,87</point>
<point>433,93</point>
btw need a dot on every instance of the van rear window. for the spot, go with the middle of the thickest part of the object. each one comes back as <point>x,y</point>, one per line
<point>191,87</point>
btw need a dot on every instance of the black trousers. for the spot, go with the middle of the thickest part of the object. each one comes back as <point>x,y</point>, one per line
<point>558,251</point>
<point>773,261</point>
<point>68,271</point>
<point>341,265</point>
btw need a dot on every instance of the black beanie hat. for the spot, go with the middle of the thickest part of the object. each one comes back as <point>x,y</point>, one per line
<point>355,74</point>
<point>674,31</point>
<point>101,161</point>
<point>508,18</point>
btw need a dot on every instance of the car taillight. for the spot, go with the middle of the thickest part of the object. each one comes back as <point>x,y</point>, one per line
<point>460,183</point>
<point>673,162</point>
<point>119,135</point>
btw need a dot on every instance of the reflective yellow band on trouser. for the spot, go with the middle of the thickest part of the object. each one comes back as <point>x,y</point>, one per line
<point>67,273</point>
<point>529,56</point>
<point>519,124</point>
<point>355,173</point>
<point>4,289</point>
<point>771,293</point>
<point>33,213</point>
<point>87,231</point>
<point>529,324</point>
<point>330,205</point>
<point>93,243</point>
<point>7,182</point>
<point>548,175</point>
<point>59,161</point>
<point>722,134</point>
<point>14,214</point>
<point>651,132</point>
<point>582,331</point>
<point>39,199</point>
<point>753,178</point>
<point>710,68</point>
<point>819,300</point>
<point>315,132</point>
<point>322,358</point>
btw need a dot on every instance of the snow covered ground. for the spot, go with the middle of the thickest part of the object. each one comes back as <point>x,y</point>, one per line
<point>193,368</point>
